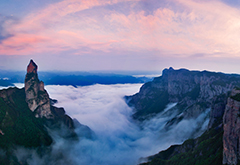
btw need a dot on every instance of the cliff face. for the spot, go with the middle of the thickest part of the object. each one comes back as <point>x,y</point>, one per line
<point>194,92</point>
<point>218,106</point>
<point>18,126</point>
<point>218,145</point>
<point>36,96</point>
<point>38,99</point>
<point>231,126</point>
<point>206,149</point>
<point>24,115</point>
<point>223,120</point>
<point>27,116</point>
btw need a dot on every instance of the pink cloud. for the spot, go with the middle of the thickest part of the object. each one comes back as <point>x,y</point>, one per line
<point>21,44</point>
<point>198,27</point>
<point>51,23</point>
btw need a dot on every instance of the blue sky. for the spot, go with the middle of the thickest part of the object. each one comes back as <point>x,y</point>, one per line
<point>85,35</point>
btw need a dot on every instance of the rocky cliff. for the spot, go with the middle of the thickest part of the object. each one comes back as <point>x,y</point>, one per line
<point>193,91</point>
<point>24,113</point>
<point>28,118</point>
<point>38,99</point>
<point>231,126</point>
<point>206,149</point>
<point>19,126</point>
<point>36,96</point>
<point>218,145</point>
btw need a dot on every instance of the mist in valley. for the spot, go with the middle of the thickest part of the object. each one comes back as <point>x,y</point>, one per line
<point>117,138</point>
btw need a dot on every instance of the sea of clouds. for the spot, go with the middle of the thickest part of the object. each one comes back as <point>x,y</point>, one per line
<point>118,140</point>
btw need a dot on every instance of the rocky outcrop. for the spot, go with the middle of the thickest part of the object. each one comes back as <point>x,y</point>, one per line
<point>36,96</point>
<point>38,99</point>
<point>205,149</point>
<point>28,118</point>
<point>217,110</point>
<point>17,122</point>
<point>194,91</point>
<point>231,126</point>
<point>220,142</point>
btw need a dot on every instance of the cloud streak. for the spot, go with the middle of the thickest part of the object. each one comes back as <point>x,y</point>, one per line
<point>191,27</point>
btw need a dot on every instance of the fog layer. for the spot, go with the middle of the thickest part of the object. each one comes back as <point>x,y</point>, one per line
<point>118,139</point>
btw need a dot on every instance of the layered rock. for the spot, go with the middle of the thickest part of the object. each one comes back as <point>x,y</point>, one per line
<point>218,105</point>
<point>218,145</point>
<point>194,92</point>
<point>207,148</point>
<point>38,99</point>
<point>20,126</point>
<point>231,126</point>
<point>36,96</point>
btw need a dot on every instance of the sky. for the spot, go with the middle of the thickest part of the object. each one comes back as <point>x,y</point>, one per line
<point>104,35</point>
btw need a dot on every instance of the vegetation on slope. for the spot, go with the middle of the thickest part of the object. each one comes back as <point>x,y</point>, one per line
<point>205,150</point>
<point>236,97</point>
<point>18,126</point>
<point>152,106</point>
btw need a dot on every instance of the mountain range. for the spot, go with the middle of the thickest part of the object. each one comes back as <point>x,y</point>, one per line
<point>209,99</point>
<point>8,78</point>
<point>194,93</point>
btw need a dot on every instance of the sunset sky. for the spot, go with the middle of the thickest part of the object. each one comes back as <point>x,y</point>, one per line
<point>87,35</point>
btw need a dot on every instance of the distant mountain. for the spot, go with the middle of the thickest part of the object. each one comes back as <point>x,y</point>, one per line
<point>6,82</point>
<point>82,80</point>
<point>194,92</point>
<point>7,78</point>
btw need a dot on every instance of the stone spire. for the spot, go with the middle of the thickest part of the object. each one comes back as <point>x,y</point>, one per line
<point>38,99</point>
<point>36,96</point>
<point>32,67</point>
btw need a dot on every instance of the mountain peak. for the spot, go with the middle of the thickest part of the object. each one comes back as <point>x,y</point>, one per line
<point>171,68</point>
<point>32,67</point>
<point>37,98</point>
<point>39,101</point>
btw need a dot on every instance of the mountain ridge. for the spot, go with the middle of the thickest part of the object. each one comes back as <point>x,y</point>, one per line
<point>8,78</point>
<point>194,92</point>
<point>25,113</point>
<point>182,86</point>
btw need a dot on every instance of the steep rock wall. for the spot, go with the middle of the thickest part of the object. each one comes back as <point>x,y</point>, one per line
<point>191,89</point>
<point>38,99</point>
<point>231,126</point>
<point>36,96</point>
